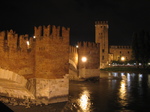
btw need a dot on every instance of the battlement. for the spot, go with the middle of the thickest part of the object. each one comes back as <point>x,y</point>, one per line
<point>101,23</point>
<point>51,31</point>
<point>88,44</point>
<point>72,49</point>
<point>121,47</point>
<point>10,41</point>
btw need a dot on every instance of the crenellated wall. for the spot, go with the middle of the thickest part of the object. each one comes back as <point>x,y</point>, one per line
<point>89,67</point>
<point>51,31</point>
<point>101,22</point>
<point>90,50</point>
<point>51,52</point>
<point>116,52</point>
<point>44,56</point>
<point>14,53</point>
<point>42,59</point>
<point>120,47</point>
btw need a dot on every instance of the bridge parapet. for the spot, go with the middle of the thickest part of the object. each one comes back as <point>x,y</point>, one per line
<point>11,76</point>
<point>34,91</point>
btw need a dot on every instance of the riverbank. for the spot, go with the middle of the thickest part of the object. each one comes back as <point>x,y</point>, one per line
<point>126,69</point>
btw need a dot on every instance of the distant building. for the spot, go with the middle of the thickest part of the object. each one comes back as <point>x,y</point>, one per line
<point>98,54</point>
<point>108,52</point>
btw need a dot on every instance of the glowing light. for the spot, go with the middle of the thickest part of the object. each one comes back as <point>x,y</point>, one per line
<point>140,77</point>
<point>122,58</point>
<point>34,37</point>
<point>84,59</point>
<point>28,43</point>
<point>128,63</point>
<point>77,46</point>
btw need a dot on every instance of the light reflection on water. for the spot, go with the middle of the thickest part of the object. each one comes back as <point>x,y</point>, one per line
<point>84,101</point>
<point>123,93</point>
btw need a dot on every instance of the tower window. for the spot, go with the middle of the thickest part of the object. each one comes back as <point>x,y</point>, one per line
<point>103,50</point>
<point>102,57</point>
<point>120,52</point>
<point>128,52</point>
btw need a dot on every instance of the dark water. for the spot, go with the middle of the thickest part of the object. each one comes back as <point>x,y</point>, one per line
<point>120,93</point>
<point>132,94</point>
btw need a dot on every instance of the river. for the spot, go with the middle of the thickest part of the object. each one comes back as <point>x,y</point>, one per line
<point>114,92</point>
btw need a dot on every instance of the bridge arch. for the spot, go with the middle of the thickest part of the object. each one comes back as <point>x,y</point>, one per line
<point>73,64</point>
<point>14,85</point>
<point>11,76</point>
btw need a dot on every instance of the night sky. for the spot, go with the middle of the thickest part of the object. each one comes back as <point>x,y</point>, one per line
<point>124,17</point>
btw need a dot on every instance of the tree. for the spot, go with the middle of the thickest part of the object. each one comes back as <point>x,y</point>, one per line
<point>135,49</point>
<point>141,47</point>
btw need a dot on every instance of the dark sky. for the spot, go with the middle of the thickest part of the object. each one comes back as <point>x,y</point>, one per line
<point>124,17</point>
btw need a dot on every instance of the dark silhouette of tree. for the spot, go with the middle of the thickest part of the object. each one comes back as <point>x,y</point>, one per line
<point>135,49</point>
<point>141,47</point>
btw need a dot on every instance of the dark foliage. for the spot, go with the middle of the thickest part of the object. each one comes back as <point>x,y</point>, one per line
<point>141,47</point>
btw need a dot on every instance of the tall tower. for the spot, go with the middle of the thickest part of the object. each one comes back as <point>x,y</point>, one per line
<point>101,37</point>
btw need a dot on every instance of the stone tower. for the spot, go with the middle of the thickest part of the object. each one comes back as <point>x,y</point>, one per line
<point>101,37</point>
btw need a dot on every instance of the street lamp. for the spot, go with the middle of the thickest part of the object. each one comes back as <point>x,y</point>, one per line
<point>77,46</point>
<point>84,59</point>
<point>28,44</point>
<point>122,58</point>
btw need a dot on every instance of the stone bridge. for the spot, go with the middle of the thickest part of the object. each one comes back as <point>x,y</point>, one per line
<point>13,85</point>
<point>14,88</point>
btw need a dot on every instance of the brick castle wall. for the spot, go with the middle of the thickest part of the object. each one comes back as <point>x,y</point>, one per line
<point>45,55</point>
<point>51,52</point>
<point>117,52</point>
<point>15,55</point>
<point>91,51</point>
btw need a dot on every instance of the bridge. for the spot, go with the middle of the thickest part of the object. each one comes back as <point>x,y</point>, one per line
<point>36,70</point>
<point>17,90</point>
